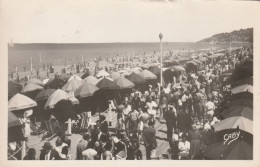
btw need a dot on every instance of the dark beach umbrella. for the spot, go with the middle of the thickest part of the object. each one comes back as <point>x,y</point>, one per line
<point>107,84</point>
<point>242,71</point>
<point>243,111</point>
<point>14,88</point>
<point>135,78</point>
<point>13,120</point>
<point>85,75</point>
<point>64,76</point>
<point>240,150</point>
<point>55,83</point>
<point>168,76</point>
<point>248,81</point>
<point>44,94</point>
<point>156,70</point>
<point>241,102</point>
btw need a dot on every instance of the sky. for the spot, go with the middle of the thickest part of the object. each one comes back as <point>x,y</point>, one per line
<point>89,21</point>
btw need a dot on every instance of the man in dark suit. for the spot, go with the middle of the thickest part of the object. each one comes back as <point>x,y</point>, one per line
<point>48,153</point>
<point>170,117</point>
<point>82,145</point>
<point>149,137</point>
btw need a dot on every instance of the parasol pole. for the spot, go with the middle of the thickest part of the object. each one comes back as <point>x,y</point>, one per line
<point>31,65</point>
<point>23,150</point>
<point>160,36</point>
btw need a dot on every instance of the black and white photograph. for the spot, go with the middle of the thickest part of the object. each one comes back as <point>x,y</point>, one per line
<point>129,80</point>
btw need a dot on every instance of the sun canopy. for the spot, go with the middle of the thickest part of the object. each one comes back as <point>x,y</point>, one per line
<point>13,120</point>
<point>36,81</point>
<point>55,97</point>
<point>106,83</point>
<point>135,78</point>
<point>44,94</point>
<point>102,73</point>
<point>74,77</point>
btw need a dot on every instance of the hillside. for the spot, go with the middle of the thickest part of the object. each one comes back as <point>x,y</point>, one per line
<point>242,35</point>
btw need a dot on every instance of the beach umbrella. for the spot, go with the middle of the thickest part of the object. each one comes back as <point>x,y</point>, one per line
<point>240,150</point>
<point>74,77</point>
<point>86,74</point>
<point>168,76</point>
<point>36,81</point>
<point>102,73</point>
<point>242,88</point>
<point>135,78</point>
<point>248,81</point>
<point>64,76</point>
<point>241,102</point>
<point>19,102</point>
<point>13,120</point>
<point>74,100</point>
<point>55,97</point>
<point>156,70</point>
<point>91,79</point>
<point>115,75</point>
<point>55,83</point>
<point>31,87</point>
<point>124,83</point>
<point>45,80</point>
<point>72,85</point>
<point>106,83</point>
<point>14,88</point>
<point>147,75</point>
<point>44,94</point>
<point>178,68</point>
<point>235,122</point>
<point>243,111</point>
<point>86,90</point>
<point>137,70</point>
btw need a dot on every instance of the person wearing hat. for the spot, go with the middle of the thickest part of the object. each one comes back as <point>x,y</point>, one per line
<point>48,153</point>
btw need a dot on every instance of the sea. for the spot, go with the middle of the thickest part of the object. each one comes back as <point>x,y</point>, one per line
<point>20,55</point>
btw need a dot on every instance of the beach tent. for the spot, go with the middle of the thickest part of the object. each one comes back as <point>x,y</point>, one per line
<point>86,90</point>
<point>36,81</point>
<point>74,77</point>
<point>124,83</point>
<point>19,102</point>
<point>242,88</point>
<point>91,79</point>
<point>147,75</point>
<point>235,122</point>
<point>44,94</point>
<point>31,87</point>
<point>135,78</point>
<point>72,85</point>
<point>106,83</point>
<point>102,73</point>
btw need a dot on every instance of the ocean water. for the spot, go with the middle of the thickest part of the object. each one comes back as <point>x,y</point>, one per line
<point>20,54</point>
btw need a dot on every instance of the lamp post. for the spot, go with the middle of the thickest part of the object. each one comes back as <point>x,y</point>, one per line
<point>161,36</point>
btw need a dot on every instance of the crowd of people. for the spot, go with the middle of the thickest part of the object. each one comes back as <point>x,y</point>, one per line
<point>188,107</point>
